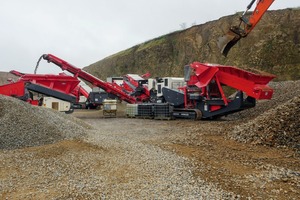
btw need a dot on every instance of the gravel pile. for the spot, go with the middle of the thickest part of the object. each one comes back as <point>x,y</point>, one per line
<point>23,125</point>
<point>279,126</point>
<point>120,158</point>
<point>283,92</point>
<point>112,162</point>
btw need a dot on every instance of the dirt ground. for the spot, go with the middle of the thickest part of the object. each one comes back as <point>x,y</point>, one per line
<point>244,169</point>
<point>79,169</point>
<point>251,171</point>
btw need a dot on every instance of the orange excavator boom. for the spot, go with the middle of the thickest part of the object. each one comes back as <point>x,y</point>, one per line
<point>246,25</point>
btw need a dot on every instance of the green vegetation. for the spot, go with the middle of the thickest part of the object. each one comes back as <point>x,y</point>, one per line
<point>152,43</point>
<point>121,53</point>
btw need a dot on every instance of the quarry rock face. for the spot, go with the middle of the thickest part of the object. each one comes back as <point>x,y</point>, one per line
<point>273,46</point>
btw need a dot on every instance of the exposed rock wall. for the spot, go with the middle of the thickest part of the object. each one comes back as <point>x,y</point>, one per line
<point>273,46</point>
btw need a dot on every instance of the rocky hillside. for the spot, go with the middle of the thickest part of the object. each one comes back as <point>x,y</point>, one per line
<point>273,46</point>
<point>4,76</point>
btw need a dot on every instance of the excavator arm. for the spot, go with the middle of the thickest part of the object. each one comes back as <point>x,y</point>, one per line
<point>246,25</point>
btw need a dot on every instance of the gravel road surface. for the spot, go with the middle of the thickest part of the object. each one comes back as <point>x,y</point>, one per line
<point>49,155</point>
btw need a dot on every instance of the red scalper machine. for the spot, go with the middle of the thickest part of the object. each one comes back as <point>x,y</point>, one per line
<point>204,94</point>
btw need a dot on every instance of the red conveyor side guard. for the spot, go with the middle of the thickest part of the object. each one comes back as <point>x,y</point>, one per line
<point>61,82</point>
<point>16,89</point>
<point>16,73</point>
<point>77,72</point>
<point>77,91</point>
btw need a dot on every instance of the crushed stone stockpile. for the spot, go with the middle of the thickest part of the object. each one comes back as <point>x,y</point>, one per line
<point>279,126</point>
<point>283,92</point>
<point>23,125</point>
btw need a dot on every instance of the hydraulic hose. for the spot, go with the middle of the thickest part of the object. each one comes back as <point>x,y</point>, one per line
<point>37,64</point>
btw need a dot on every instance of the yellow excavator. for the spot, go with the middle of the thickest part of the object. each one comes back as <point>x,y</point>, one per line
<point>246,24</point>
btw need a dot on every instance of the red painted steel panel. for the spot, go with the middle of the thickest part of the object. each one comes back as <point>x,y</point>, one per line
<point>13,89</point>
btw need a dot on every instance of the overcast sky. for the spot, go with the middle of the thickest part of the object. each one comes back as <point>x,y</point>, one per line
<point>83,32</point>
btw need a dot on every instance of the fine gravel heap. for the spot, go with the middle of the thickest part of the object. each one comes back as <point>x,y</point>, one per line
<point>122,158</point>
<point>279,126</point>
<point>283,92</point>
<point>24,125</point>
<point>109,162</point>
<point>272,122</point>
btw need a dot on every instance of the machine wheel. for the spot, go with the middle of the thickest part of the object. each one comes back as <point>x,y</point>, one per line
<point>194,114</point>
<point>198,114</point>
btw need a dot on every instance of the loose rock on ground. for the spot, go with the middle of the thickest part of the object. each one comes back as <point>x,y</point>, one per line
<point>45,154</point>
